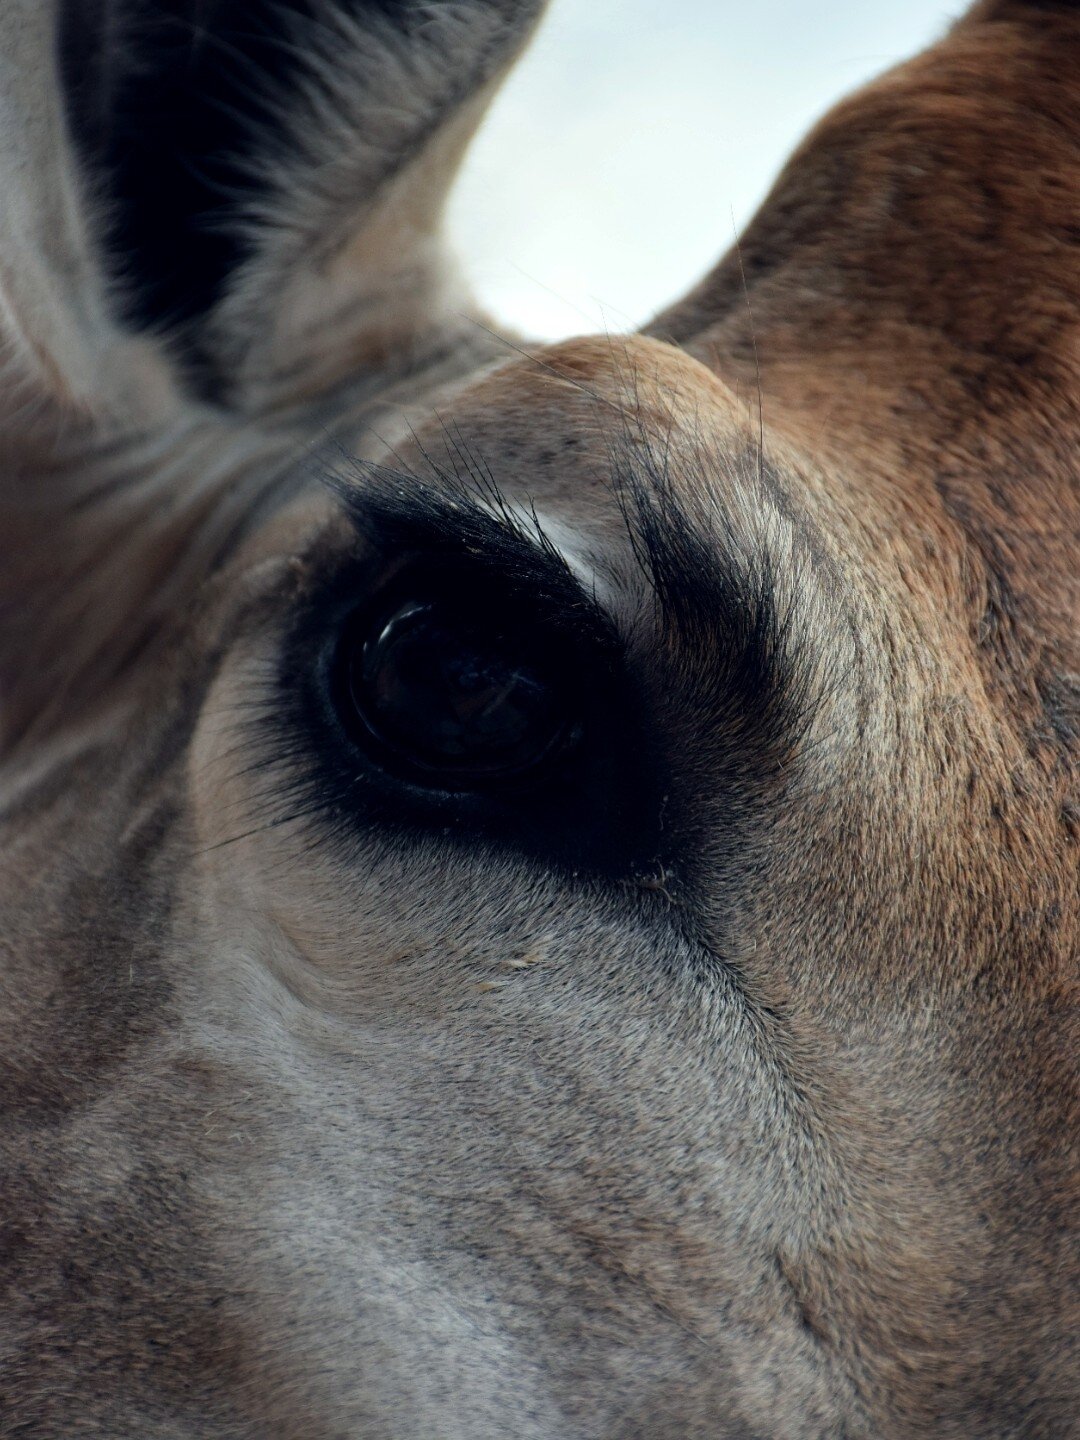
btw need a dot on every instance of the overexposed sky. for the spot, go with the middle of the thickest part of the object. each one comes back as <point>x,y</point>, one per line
<point>607,177</point>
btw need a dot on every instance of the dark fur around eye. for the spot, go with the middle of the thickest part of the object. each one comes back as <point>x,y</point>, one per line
<point>592,806</point>
<point>685,741</point>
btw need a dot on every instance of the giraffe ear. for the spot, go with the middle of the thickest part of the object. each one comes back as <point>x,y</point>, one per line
<point>66,366</point>
<point>277,176</point>
<point>77,388</point>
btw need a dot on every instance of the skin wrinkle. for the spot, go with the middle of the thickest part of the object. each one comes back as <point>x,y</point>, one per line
<point>723,1084</point>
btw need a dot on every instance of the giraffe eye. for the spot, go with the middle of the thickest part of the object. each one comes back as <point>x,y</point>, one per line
<point>457,694</point>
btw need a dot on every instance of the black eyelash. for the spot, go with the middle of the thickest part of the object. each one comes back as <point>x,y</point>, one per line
<point>466,518</point>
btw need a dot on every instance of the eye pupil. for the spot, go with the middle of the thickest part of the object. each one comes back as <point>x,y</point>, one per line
<point>455,696</point>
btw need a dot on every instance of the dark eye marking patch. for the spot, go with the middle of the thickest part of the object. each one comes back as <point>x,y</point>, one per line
<point>690,711</point>
<point>730,628</point>
<point>593,812</point>
<point>466,518</point>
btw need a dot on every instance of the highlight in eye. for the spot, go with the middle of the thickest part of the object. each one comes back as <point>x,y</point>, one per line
<point>455,693</point>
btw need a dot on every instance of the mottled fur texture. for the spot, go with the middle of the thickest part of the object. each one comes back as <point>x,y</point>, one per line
<point>726,1090</point>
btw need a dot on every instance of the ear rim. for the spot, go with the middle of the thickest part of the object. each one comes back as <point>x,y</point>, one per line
<point>64,361</point>
<point>374,275</point>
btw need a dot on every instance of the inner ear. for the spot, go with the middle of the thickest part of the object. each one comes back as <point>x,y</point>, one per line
<point>241,149</point>
<point>168,101</point>
<point>163,101</point>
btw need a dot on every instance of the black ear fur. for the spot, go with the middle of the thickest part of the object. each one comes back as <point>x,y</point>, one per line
<point>174,107</point>
<point>167,100</point>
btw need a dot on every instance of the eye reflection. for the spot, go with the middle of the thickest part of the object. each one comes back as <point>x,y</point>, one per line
<point>459,696</point>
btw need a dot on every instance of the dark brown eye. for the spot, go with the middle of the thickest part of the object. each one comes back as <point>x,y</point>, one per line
<point>459,695</point>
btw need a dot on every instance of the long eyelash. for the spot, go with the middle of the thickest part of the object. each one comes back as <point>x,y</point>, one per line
<point>288,797</point>
<point>461,512</point>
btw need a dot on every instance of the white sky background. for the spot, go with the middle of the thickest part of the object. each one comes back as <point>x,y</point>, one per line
<point>605,179</point>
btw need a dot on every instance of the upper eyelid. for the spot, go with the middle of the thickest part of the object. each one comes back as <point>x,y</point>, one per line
<point>728,635</point>
<point>398,514</point>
